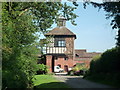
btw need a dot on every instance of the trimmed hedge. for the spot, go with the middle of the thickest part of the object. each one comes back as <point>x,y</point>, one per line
<point>108,62</point>
<point>106,67</point>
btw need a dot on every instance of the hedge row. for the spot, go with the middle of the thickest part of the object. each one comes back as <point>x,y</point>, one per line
<point>106,68</point>
<point>108,62</point>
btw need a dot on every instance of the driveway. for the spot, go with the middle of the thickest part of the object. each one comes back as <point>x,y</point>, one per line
<point>78,82</point>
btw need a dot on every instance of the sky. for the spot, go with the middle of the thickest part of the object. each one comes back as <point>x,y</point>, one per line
<point>93,30</point>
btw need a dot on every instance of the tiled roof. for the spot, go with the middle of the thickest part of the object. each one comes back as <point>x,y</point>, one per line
<point>60,31</point>
<point>83,54</point>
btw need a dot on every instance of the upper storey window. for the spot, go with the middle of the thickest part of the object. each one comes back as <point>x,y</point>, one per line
<point>59,42</point>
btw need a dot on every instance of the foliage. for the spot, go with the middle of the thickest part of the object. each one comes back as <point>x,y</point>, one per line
<point>19,60</point>
<point>92,63</point>
<point>68,13</point>
<point>71,72</point>
<point>79,67</point>
<point>21,21</point>
<point>106,66</point>
<point>113,11</point>
<point>42,69</point>
<point>107,63</point>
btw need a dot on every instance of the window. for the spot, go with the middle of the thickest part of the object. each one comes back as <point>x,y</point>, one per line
<point>66,58</point>
<point>58,67</point>
<point>59,42</point>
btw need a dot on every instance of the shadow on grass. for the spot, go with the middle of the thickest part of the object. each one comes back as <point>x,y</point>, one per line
<point>70,82</point>
<point>53,85</point>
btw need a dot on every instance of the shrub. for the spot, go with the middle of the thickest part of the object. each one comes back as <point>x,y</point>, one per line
<point>79,69</point>
<point>71,72</point>
<point>106,66</point>
<point>94,64</point>
<point>80,66</point>
<point>42,69</point>
<point>108,62</point>
<point>76,68</point>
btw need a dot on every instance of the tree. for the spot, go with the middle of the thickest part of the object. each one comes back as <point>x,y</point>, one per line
<point>21,22</point>
<point>19,60</point>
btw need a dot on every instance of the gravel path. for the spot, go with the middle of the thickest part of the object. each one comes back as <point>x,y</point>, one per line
<point>78,82</point>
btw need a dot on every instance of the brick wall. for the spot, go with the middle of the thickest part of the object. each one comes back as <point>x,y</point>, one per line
<point>49,62</point>
<point>61,61</point>
<point>70,62</point>
<point>70,45</point>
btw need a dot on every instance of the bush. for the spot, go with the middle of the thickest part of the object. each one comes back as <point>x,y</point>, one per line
<point>106,67</point>
<point>93,64</point>
<point>80,66</point>
<point>108,62</point>
<point>19,68</point>
<point>71,72</point>
<point>79,69</point>
<point>42,69</point>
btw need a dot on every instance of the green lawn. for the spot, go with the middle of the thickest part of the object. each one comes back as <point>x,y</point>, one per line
<point>48,81</point>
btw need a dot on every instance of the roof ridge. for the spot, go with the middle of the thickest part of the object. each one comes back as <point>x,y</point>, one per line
<point>60,31</point>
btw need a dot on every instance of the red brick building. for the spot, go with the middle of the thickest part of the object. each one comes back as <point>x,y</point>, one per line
<point>60,51</point>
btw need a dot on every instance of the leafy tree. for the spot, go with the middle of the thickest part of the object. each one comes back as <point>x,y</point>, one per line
<point>21,21</point>
<point>19,60</point>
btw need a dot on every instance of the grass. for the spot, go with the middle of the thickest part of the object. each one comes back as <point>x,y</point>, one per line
<point>48,81</point>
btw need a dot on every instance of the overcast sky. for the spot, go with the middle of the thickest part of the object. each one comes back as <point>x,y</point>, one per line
<point>93,31</point>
